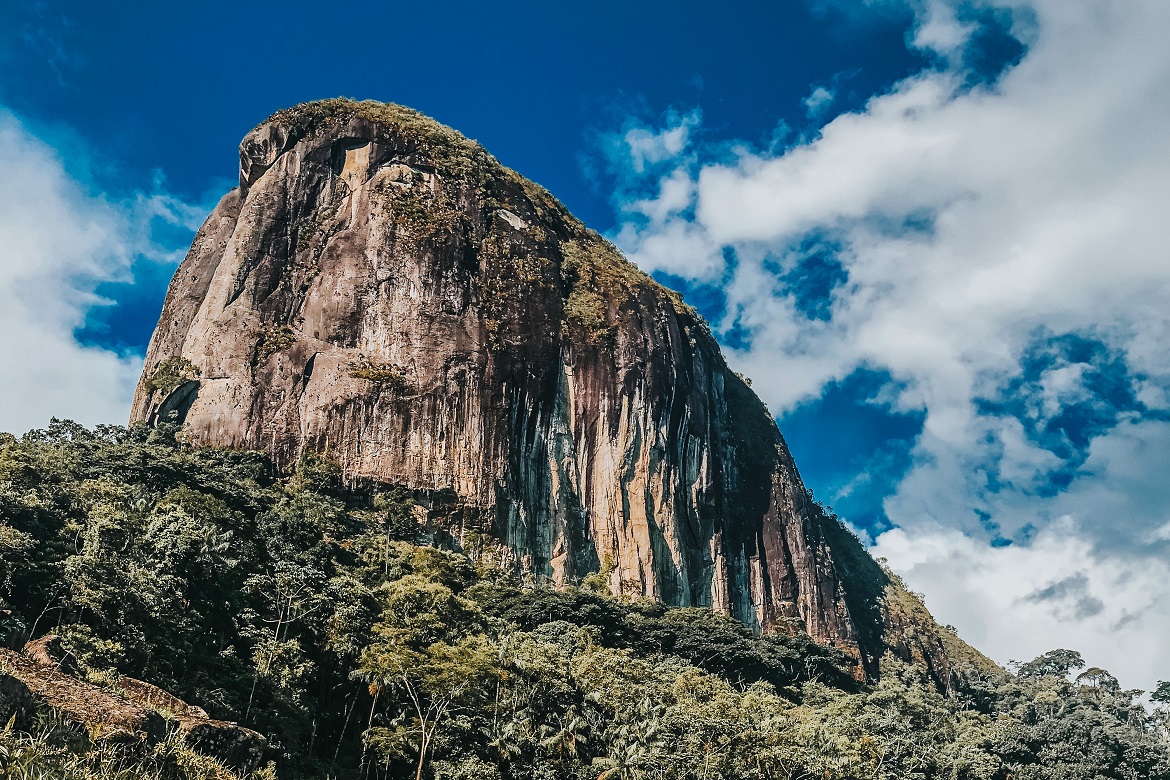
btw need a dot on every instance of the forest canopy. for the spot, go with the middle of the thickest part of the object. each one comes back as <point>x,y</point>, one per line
<point>365,641</point>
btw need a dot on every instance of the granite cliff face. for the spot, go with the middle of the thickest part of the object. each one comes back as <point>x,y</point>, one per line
<point>381,289</point>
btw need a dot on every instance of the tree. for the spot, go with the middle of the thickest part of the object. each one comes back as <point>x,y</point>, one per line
<point>1161,694</point>
<point>289,604</point>
<point>1054,663</point>
<point>437,684</point>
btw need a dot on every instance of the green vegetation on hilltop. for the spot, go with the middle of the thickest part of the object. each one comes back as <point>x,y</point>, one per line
<point>448,149</point>
<point>598,276</point>
<point>316,613</point>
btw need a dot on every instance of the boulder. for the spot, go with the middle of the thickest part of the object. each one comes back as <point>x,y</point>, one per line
<point>16,702</point>
<point>105,715</point>
<point>48,651</point>
<point>155,697</point>
<point>133,711</point>
<point>236,747</point>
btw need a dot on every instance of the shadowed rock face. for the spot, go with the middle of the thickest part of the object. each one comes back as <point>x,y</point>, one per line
<point>381,289</point>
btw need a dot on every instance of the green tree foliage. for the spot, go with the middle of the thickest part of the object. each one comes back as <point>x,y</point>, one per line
<point>171,373</point>
<point>1054,663</point>
<point>311,610</point>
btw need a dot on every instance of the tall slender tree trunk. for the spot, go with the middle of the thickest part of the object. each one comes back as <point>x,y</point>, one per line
<point>422,753</point>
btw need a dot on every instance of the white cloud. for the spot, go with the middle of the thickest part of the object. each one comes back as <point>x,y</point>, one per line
<point>1015,603</point>
<point>647,148</point>
<point>940,30</point>
<point>57,242</point>
<point>1106,531</point>
<point>973,225</point>
<point>818,101</point>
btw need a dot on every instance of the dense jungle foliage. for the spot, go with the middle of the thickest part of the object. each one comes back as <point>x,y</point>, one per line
<point>324,616</point>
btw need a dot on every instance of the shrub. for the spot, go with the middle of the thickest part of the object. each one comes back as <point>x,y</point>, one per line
<point>171,373</point>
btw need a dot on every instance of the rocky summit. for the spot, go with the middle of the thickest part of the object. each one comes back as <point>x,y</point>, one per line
<point>379,288</point>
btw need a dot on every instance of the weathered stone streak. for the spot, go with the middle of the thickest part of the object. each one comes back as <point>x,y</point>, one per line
<point>573,406</point>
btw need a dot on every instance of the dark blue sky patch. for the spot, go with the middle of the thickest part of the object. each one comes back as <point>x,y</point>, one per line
<point>125,322</point>
<point>994,48</point>
<point>528,79</point>
<point>1026,533</point>
<point>736,336</point>
<point>1105,389</point>
<point>620,169</point>
<point>1070,389</point>
<point>992,529</point>
<point>842,439</point>
<point>533,81</point>
<point>708,299</point>
<point>861,498</point>
<point>125,325</point>
<point>1057,480</point>
<point>986,521</point>
<point>816,274</point>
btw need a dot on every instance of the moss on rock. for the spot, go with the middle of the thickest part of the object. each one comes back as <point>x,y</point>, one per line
<point>273,339</point>
<point>378,372</point>
<point>171,373</point>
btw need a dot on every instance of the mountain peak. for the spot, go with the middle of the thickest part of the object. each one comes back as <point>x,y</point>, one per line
<point>404,130</point>
<point>381,289</point>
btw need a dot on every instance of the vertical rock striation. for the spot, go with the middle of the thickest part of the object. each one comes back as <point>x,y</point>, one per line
<point>381,289</point>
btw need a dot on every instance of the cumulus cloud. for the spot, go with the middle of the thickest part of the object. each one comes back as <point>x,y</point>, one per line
<point>1017,602</point>
<point>58,242</point>
<point>647,148</point>
<point>818,101</point>
<point>999,241</point>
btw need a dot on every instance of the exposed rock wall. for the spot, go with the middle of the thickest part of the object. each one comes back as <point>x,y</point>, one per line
<point>381,289</point>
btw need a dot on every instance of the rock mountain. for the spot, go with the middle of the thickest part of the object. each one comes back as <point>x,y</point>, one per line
<point>381,289</point>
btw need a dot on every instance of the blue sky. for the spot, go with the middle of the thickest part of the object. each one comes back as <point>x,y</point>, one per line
<point>175,86</point>
<point>931,231</point>
<point>158,96</point>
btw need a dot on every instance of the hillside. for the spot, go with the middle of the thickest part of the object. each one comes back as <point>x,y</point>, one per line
<point>319,613</point>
